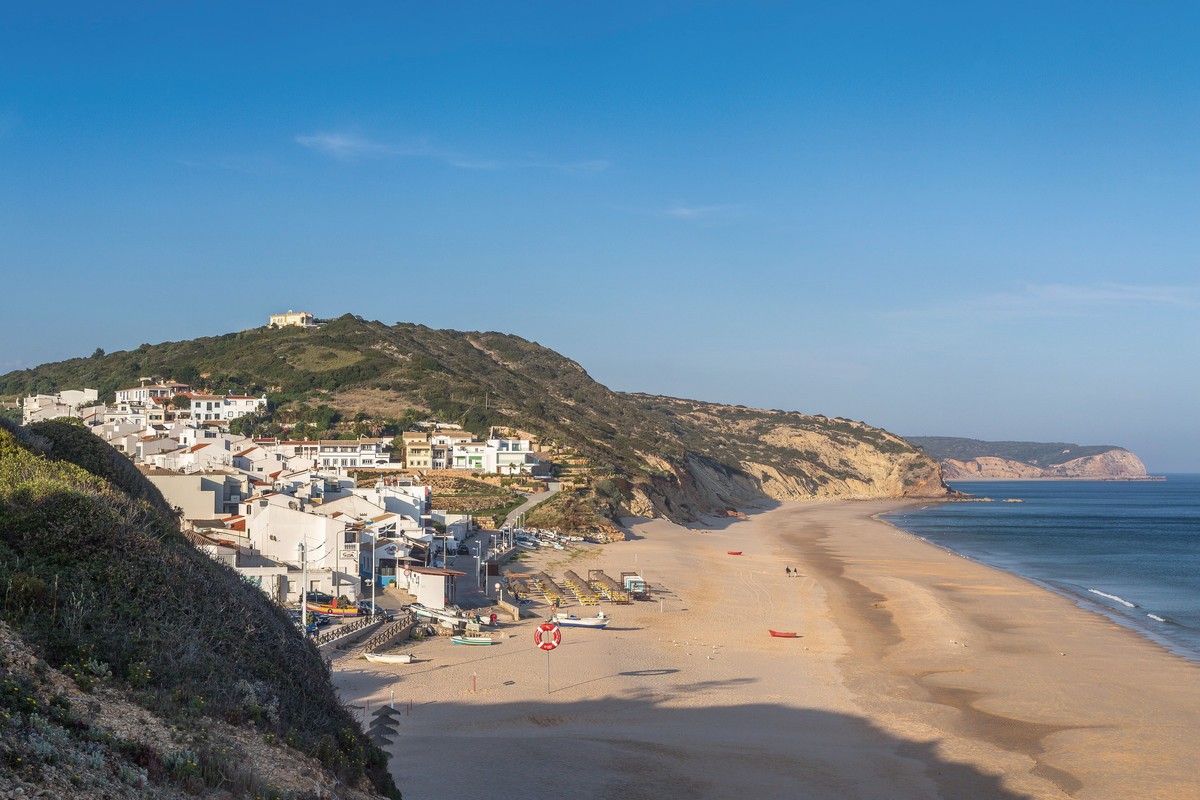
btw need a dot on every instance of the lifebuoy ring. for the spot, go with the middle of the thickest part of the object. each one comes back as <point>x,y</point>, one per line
<point>407,572</point>
<point>540,636</point>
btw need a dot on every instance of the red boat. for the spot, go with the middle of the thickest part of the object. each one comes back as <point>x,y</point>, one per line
<point>784,634</point>
<point>734,552</point>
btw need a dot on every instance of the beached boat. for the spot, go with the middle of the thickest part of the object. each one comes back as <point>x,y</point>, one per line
<point>389,658</point>
<point>445,616</point>
<point>332,610</point>
<point>572,621</point>
<point>473,640</point>
<point>783,634</point>
<point>733,552</point>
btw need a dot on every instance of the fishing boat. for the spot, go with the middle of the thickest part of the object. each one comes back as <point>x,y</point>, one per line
<point>473,640</point>
<point>389,658</point>
<point>783,634</point>
<point>572,621</point>
<point>332,610</point>
<point>733,552</point>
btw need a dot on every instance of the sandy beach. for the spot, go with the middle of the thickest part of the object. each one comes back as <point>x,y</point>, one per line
<point>917,674</point>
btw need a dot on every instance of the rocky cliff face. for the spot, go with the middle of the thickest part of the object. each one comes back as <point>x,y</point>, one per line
<point>1112,465</point>
<point>736,456</point>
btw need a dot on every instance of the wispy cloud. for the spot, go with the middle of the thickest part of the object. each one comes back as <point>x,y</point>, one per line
<point>693,213</point>
<point>1062,300</point>
<point>351,146</point>
<point>1105,294</point>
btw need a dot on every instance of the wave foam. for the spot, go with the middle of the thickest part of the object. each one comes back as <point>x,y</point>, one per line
<point>1156,618</point>
<point>1114,598</point>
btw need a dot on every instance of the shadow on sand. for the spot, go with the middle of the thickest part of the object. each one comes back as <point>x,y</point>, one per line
<point>638,743</point>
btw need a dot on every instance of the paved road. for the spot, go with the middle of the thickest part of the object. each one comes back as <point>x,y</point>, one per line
<point>553,489</point>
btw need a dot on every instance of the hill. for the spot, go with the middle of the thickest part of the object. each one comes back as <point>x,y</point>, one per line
<point>132,664</point>
<point>973,458</point>
<point>661,456</point>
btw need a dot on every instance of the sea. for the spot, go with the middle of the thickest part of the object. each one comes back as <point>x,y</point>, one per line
<point>1127,549</point>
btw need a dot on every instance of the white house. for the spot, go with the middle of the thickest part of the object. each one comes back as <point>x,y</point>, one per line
<point>468,455</point>
<point>259,460</point>
<point>346,453</point>
<point>141,395</point>
<point>508,456</point>
<point>206,495</point>
<point>432,586</point>
<point>239,405</point>
<point>331,547</point>
<point>67,403</point>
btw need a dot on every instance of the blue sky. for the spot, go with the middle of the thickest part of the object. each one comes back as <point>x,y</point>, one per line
<point>943,219</point>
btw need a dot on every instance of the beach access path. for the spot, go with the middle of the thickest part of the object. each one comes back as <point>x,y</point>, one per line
<point>917,674</point>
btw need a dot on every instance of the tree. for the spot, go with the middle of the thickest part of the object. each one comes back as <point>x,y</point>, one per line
<point>98,353</point>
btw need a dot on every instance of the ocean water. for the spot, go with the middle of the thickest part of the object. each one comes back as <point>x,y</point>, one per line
<point>1129,550</point>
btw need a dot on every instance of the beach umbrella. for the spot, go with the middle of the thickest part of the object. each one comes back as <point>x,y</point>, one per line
<point>385,711</point>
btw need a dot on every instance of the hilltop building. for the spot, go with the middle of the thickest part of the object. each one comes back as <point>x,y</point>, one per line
<point>298,319</point>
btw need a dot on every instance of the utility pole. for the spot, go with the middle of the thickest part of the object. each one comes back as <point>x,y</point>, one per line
<point>304,588</point>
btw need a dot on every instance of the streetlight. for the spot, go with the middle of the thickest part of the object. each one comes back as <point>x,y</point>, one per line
<point>478,562</point>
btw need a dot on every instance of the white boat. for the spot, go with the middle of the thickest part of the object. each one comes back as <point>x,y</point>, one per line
<point>572,621</point>
<point>389,658</point>
<point>527,544</point>
<point>439,615</point>
<point>472,640</point>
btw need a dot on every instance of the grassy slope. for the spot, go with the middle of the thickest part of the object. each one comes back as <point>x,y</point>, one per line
<point>475,379</point>
<point>91,573</point>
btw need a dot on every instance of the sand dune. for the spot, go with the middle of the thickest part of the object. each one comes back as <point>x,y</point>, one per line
<point>918,674</point>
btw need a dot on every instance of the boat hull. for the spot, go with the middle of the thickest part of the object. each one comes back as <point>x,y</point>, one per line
<point>472,640</point>
<point>333,611</point>
<point>585,622</point>
<point>784,634</point>
<point>389,658</point>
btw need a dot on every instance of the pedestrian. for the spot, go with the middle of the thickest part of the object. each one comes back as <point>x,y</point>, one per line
<point>788,570</point>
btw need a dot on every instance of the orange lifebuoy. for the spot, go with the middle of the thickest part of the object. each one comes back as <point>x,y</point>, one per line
<point>540,639</point>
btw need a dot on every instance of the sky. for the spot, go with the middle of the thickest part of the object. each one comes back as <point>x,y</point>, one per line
<point>955,219</point>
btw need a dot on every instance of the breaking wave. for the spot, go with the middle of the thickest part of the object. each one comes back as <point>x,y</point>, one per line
<point>1114,598</point>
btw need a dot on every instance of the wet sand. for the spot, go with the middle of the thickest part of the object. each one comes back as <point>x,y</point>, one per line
<point>918,674</point>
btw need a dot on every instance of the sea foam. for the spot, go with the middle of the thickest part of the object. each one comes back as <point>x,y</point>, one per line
<point>1114,598</point>
<point>1156,618</point>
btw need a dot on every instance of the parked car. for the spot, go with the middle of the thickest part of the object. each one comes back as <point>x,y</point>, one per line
<point>320,598</point>
<point>311,630</point>
<point>364,609</point>
<point>463,551</point>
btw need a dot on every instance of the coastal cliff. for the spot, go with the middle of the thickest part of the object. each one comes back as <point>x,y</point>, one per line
<point>967,459</point>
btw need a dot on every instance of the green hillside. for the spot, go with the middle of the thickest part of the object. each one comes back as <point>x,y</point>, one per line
<point>1039,454</point>
<point>98,580</point>
<point>353,376</point>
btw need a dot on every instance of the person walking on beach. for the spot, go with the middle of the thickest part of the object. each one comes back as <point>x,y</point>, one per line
<point>788,570</point>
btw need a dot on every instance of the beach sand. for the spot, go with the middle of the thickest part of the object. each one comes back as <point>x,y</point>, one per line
<point>917,674</point>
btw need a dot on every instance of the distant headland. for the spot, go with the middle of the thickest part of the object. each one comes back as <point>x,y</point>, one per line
<point>973,459</point>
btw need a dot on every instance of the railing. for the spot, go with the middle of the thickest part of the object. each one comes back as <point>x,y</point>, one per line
<point>343,630</point>
<point>389,632</point>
